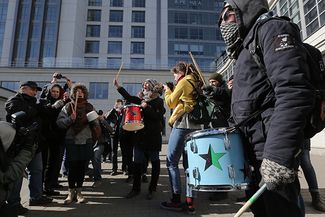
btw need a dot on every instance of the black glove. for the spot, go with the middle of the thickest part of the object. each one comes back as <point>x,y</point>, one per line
<point>275,175</point>
<point>170,85</point>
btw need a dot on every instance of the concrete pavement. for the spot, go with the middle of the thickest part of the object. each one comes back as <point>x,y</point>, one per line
<point>109,198</point>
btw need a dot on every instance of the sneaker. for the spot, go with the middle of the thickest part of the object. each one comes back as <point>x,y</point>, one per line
<point>190,209</point>
<point>174,206</point>
<point>96,184</point>
<point>132,194</point>
<point>129,179</point>
<point>144,178</point>
<point>189,205</point>
<point>41,201</point>
<point>51,192</point>
<point>20,210</point>
<point>114,173</point>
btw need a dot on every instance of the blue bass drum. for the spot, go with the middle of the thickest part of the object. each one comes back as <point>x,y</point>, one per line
<point>216,161</point>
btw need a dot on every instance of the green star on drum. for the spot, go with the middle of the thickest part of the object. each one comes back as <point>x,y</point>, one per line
<point>212,158</point>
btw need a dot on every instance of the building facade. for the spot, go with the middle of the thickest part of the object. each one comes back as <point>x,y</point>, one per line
<point>88,40</point>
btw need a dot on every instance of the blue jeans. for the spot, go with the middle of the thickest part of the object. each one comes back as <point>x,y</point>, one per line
<point>175,150</point>
<point>35,177</point>
<point>309,171</point>
<point>96,161</point>
<point>35,168</point>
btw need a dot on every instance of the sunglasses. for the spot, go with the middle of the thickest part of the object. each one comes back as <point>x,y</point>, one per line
<point>226,14</point>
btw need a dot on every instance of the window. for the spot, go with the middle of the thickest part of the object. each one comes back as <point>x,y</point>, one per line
<point>91,62</point>
<point>114,62</point>
<point>115,31</point>
<point>11,85</point>
<point>94,15</point>
<point>181,33</point>
<point>116,3</point>
<point>94,2</point>
<point>92,47</point>
<point>196,49</point>
<point>137,63</point>
<point>98,90</point>
<point>196,33</point>
<point>137,47</point>
<point>138,16</point>
<point>93,31</point>
<point>114,47</point>
<point>181,49</point>
<point>180,17</point>
<point>116,16</point>
<point>139,3</point>
<point>133,88</point>
<point>137,32</point>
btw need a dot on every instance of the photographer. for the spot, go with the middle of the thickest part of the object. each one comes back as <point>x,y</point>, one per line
<point>53,143</point>
<point>11,169</point>
<point>25,100</point>
<point>55,80</point>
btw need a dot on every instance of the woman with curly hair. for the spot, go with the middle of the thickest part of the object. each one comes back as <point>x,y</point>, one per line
<point>80,137</point>
<point>182,99</point>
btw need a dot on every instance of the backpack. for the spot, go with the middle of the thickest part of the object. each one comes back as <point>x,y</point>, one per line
<point>316,76</point>
<point>204,108</point>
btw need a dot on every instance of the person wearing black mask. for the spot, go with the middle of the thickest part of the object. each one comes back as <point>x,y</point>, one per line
<point>279,92</point>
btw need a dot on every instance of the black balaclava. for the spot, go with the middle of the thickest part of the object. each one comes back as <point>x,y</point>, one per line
<point>246,12</point>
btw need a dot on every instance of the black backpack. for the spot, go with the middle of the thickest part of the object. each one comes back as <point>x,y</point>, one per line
<point>316,76</point>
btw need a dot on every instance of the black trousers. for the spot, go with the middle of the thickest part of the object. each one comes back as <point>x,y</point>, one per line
<point>54,156</point>
<point>76,173</point>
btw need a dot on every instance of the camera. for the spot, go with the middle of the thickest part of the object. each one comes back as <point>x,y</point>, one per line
<point>58,76</point>
<point>24,134</point>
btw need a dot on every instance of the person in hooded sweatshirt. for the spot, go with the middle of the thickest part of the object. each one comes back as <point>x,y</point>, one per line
<point>80,137</point>
<point>281,93</point>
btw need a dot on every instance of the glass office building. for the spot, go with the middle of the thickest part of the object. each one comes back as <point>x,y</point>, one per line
<point>104,33</point>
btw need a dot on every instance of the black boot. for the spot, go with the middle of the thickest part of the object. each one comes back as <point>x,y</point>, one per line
<point>155,172</point>
<point>136,188</point>
<point>317,201</point>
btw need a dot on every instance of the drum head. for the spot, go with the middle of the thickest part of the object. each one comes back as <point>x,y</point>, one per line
<point>207,132</point>
<point>133,126</point>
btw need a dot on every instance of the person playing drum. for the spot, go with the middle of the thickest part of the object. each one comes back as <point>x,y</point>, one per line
<point>149,139</point>
<point>182,100</point>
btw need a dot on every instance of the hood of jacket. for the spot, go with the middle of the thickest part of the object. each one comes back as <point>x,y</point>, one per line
<point>247,12</point>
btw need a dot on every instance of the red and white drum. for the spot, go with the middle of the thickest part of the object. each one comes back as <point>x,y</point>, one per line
<point>132,118</point>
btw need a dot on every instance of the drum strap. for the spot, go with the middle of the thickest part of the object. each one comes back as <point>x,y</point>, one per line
<point>244,122</point>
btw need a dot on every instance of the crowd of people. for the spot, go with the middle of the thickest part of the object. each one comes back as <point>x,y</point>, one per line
<point>72,132</point>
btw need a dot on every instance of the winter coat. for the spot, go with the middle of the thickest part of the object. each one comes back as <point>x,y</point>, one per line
<point>283,91</point>
<point>150,137</point>
<point>13,173</point>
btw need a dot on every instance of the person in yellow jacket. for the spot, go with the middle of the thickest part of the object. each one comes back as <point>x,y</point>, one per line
<point>182,99</point>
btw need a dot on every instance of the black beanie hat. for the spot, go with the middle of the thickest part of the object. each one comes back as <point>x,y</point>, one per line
<point>216,76</point>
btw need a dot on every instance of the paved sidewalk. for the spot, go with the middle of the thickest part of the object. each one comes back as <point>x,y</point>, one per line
<point>109,199</point>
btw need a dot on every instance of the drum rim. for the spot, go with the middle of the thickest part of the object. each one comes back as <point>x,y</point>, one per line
<point>132,105</point>
<point>205,132</point>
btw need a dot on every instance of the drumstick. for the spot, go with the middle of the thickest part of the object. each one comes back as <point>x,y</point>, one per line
<point>118,73</point>
<point>251,200</point>
<point>197,67</point>
<point>76,102</point>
